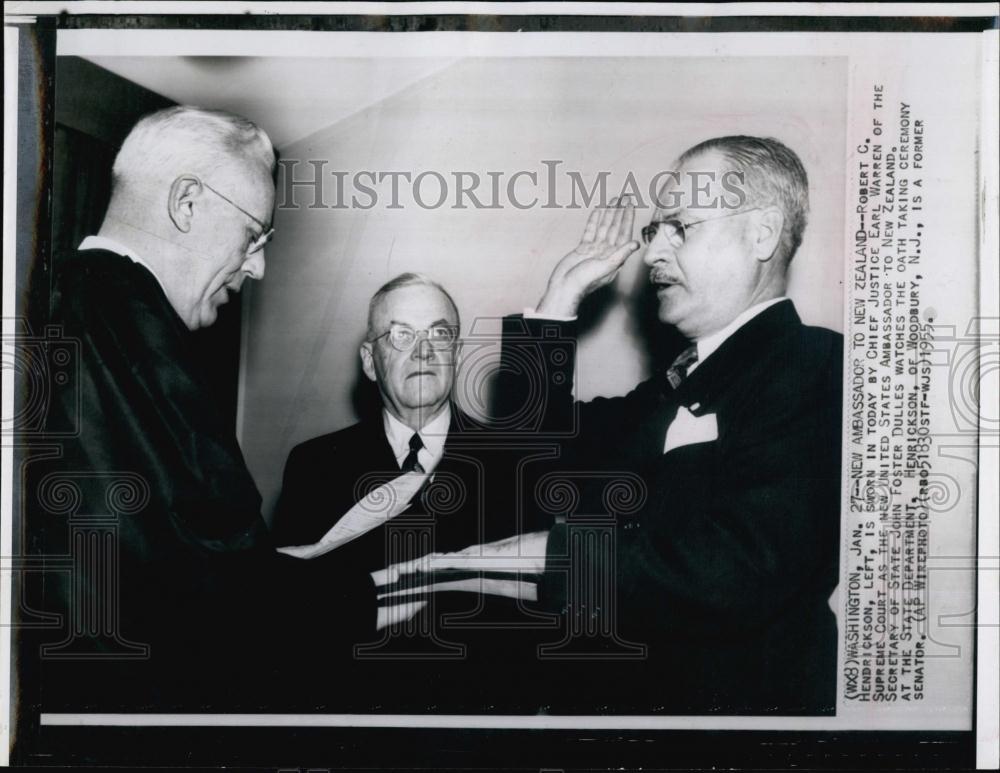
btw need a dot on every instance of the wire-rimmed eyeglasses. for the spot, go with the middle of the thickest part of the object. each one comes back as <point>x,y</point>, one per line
<point>676,230</point>
<point>261,239</point>
<point>402,337</point>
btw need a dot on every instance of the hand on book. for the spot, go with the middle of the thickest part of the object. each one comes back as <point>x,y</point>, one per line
<point>520,554</point>
<point>395,614</point>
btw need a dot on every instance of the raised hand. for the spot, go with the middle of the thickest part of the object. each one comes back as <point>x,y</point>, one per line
<point>605,246</point>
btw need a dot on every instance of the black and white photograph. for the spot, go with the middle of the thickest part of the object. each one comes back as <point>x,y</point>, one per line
<point>512,392</point>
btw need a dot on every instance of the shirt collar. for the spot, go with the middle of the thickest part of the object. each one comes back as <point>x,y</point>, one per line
<point>708,344</point>
<point>433,434</point>
<point>110,245</point>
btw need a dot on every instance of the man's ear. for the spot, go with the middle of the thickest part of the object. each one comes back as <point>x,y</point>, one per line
<point>184,190</point>
<point>770,223</point>
<point>368,360</point>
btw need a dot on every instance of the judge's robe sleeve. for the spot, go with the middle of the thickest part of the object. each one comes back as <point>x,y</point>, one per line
<point>144,407</point>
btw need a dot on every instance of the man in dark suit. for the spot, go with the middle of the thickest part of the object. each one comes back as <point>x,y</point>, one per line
<point>410,354</point>
<point>725,569</point>
<point>167,586</point>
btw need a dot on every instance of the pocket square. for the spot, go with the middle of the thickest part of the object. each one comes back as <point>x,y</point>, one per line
<point>687,429</point>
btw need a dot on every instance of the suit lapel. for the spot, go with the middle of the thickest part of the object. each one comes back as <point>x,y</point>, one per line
<point>447,462</point>
<point>386,459</point>
<point>370,455</point>
<point>457,528</point>
<point>708,385</point>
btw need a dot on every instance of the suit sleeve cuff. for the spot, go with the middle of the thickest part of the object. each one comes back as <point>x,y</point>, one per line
<point>532,314</point>
<point>552,596</point>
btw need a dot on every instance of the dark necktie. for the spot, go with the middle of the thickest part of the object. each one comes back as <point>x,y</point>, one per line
<point>678,369</point>
<point>410,463</point>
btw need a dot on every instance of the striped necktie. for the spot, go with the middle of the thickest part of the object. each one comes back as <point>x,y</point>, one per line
<point>410,463</point>
<point>678,369</point>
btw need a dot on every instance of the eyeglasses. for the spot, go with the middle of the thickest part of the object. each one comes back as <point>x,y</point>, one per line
<point>403,337</point>
<point>676,230</point>
<point>266,233</point>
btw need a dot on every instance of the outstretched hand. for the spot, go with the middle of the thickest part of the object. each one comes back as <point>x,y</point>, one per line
<point>397,614</point>
<point>521,553</point>
<point>605,246</point>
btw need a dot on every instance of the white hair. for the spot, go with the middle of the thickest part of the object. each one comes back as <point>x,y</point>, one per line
<point>773,175</point>
<point>189,139</point>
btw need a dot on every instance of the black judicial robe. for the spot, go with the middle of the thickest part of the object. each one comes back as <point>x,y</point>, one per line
<point>169,586</point>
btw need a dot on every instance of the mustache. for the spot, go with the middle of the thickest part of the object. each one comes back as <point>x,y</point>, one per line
<point>663,278</point>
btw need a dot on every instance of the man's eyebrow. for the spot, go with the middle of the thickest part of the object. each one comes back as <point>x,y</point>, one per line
<point>435,323</point>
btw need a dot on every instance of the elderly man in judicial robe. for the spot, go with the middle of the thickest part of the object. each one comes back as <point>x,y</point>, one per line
<point>165,584</point>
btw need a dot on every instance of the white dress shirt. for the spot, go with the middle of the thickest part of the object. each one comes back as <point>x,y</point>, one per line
<point>686,428</point>
<point>433,434</point>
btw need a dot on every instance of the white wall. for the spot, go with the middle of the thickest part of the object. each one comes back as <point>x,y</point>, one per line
<point>306,319</point>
